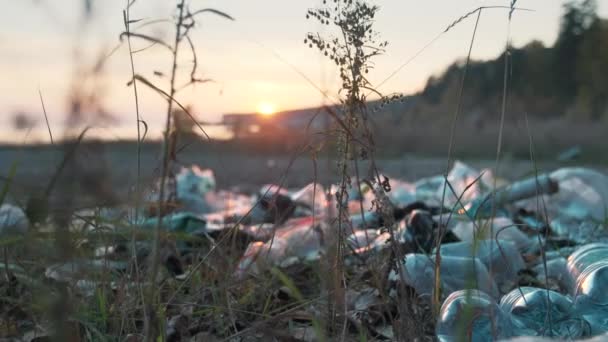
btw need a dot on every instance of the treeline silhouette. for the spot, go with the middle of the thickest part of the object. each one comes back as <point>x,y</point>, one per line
<point>567,79</point>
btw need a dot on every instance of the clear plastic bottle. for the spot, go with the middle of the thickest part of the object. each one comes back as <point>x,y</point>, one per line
<point>585,257</point>
<point>591,297</point>
<point>542,312</point>
<point>501,228</point>
<point>501,256</point>
<point>472,315</point>
<point>457,273</point>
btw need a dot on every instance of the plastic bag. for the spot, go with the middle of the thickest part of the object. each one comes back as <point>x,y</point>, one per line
<point>298,240</point>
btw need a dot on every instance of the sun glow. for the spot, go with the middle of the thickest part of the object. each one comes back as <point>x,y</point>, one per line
<point>266,108</point>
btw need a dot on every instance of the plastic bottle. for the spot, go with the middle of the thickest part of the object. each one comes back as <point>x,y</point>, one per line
<point>591,297</point>
<point>457,273</point>
<point>502,257</point>
<point>585,257</point>
<point>501,228</point>
<point>542,312</point>
<point>472,315</point>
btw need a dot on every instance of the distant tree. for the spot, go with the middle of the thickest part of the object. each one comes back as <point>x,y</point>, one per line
<point>577,18</point>
<point>591,71</point>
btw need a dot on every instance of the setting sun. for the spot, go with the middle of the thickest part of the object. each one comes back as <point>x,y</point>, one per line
<point>266,108</point>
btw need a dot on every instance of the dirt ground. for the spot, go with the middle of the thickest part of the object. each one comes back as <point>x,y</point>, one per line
<point>115,167</point>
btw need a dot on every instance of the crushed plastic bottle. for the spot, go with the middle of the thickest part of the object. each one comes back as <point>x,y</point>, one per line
<point>502,257</point>
<point>591,297</point>
<point>297,240</point>
<point>472,315</point>
<point>457,273</point>
<point>542,312</point>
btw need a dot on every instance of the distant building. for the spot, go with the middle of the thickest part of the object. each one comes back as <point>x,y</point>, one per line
<point>299,121</point>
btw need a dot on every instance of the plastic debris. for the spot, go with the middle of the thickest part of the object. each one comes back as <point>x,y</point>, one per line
<point>402,193</point>
<point>193,185</point>
<point>420,231</point>
<point>501,228</point>
<point>457,273</point>
<point>310,200</point>
<point>12,220</point>
<point>299,240</point>
<point>582,195</point>
<point>362,239</point>
<point>502,257</point>
<point>483,206</point>
<point>472,315</point>
<point>184,222</point>
<point>570,154</point>
<point>580,232</point>
<point>585,257</point>
<point>466,183</point>
<point>272,207</point>
<point>541,312</point>
<point>491,244</point>
<point>591,296</point>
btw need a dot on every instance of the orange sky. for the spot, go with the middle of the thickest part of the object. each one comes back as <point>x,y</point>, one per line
<point>38,39</point>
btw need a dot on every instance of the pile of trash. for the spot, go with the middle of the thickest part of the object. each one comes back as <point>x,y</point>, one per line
<point>517,259</point>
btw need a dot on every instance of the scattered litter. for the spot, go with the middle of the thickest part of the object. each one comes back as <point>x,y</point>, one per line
<point>457,273</point>
<point>529,259</point>
<point>502,257</point>
<point>12,220</point>
<point>541,312</point>
<point>472,315</point>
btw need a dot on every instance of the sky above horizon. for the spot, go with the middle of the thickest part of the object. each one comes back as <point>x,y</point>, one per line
<point>251,59</point>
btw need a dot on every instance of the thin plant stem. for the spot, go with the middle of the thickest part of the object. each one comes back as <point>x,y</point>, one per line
<point>437,285</point>
<point>126,17</point>
<point>46,117</point>
<point>155,255</point>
